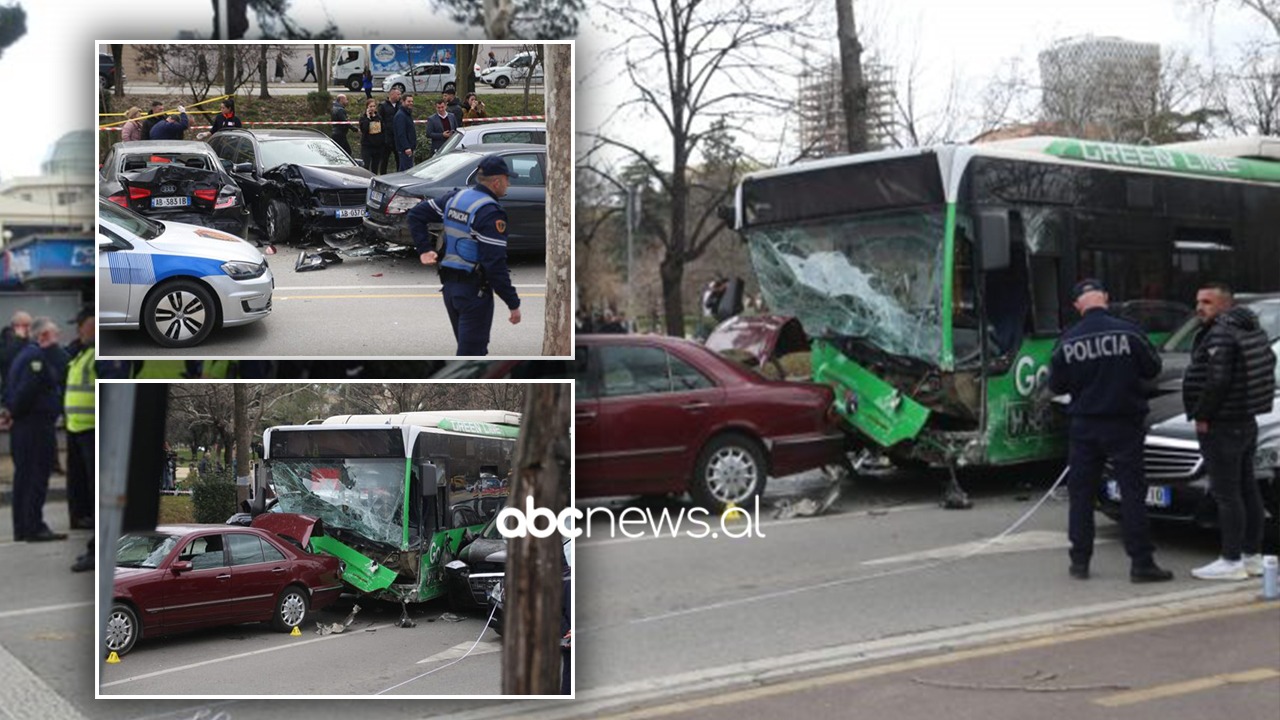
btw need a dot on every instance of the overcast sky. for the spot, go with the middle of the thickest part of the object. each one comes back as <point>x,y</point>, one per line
<point>50,66</point>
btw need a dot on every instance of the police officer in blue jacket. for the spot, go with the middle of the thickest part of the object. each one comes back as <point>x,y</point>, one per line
<point>473,261</point>
<point>34,400</point>
<point>1103,363</point>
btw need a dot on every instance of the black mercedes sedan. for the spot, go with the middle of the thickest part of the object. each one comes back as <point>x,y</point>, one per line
<point>297,183</point>
<point>391,196</point>
<point>176,180</point>
<point>1178,482</point>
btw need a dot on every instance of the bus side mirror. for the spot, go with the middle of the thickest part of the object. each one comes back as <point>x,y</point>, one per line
<point>993,239</point>
<point>731,301</point>
<point>258,504</point>
<point>430,475</point>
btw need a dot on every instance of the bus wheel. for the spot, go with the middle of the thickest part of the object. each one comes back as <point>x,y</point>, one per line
<point>291,609</point>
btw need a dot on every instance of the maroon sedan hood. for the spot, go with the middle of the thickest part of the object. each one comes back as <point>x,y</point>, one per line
<point>290,525</point>
<point>763,337</point>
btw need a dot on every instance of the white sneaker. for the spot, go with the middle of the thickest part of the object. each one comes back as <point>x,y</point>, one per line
<point>1252,564</point>
<point>1222,569</point>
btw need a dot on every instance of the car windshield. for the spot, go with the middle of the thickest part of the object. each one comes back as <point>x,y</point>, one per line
<point>130,221</point>
<point>145,550</point>
<point>454,141</point>
<point>876,277</point>
<point>442,166</point>
<point>303,151</point>
<point>142,161</point>
<point>364,496</point>
<point>1268,312</point>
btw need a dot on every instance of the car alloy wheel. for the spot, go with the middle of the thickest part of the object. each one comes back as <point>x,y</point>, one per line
<point>180,313</point>
<point>121,631</point>
<point>291,609</point>
<point>730,470</point>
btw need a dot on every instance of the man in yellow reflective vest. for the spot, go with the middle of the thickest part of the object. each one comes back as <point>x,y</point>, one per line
<point>78,405</point>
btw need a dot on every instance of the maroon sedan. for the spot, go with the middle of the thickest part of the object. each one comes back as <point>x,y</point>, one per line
<point>657,415</point>
<point>184,577</point>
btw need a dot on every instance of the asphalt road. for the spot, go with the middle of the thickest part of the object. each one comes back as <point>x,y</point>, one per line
<point>661,618</point>
<point>365,307</point>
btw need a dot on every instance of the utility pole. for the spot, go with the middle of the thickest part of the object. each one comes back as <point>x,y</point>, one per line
<point>633,221</point>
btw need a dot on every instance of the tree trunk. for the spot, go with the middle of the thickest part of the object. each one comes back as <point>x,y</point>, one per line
<point>532,588</point>
<point>672,273</point>
<point>242,471</point>
<point>853,92</point>
<point>559,302</point>
<point>262,72</point>
<point>228,70</point>
<point>117,54</point>
<point>467,69</point>
<point>497,19</point>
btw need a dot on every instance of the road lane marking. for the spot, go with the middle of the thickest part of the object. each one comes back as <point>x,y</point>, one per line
<point>1028,541</point>
<point>23,694</point>
<point>287,646</point>
<point>46,609</point>
<point>461,649</point>
<point>1187,687</point>
<point>419,286</point>
<point>363,296</point>
<point>791,687</point>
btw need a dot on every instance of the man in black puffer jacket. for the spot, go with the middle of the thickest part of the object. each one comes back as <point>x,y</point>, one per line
<point>1231,380</point>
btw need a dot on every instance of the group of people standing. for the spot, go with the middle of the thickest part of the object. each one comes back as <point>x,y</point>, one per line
<point>42,381</point>
<point>387,129</point>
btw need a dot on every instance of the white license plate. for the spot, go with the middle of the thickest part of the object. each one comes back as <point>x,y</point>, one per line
<point>375,197</point>
<point>162,202</point>
<point>1158,496</point>
<point>350,213</point>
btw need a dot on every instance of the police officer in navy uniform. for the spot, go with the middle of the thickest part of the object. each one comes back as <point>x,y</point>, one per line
<point>1104,362</point>
<point>473,262</point>
<point>34,399</point>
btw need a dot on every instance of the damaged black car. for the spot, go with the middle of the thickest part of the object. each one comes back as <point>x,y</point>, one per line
<point>297,183</point>
<point>174,180</point>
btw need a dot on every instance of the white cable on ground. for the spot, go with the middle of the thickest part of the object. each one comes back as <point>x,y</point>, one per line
<point>464,656</point>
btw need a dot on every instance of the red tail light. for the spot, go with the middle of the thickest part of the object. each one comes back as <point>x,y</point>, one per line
<point>118,199</point>
<point>226,202</point>
<point>207,195</point>
<point>137,193</point>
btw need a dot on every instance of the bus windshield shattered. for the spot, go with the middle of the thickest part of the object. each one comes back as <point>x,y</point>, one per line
<point>875,278</point>
<point>362,495</point>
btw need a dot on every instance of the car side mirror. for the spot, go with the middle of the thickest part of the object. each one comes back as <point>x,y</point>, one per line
<point>359,162</point>
<point>106,243</point>
<point>180,567</point>
<point>242,168</point>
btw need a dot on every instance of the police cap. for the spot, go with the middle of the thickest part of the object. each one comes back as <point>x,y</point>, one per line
<point>1086,285</point>
<point>494,165</point>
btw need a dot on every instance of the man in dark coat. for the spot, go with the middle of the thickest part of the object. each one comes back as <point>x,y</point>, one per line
<point>406,136</point>
<point>341,124</point>
<point>171,128</point>
<point>1104,362</point>
<point>387,111</point>
<point>1229,382</point>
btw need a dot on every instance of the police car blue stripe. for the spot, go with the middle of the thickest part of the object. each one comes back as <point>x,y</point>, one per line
<point>167,266</point>
<point>131,269</point>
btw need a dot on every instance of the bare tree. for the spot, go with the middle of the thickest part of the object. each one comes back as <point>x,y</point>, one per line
<point>117,56</point>
<point>559,301</point>
<point>497,18</point>
<point>1268,10</point>
<point>466,81</point>
<point>262,72</point>
<point>195,67</point>
<point>693,62</point>
<point>1250,94</point>
<point>533,587</point>
<point>242,433</point>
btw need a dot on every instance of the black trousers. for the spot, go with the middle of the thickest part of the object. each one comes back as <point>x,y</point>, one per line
<point>81,470</point>
<point>1093,441</point>
<point>1228,450</point>
<point>34,444</point>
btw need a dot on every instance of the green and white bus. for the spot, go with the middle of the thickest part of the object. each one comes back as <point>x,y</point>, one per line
<point>396,493</point>
<point>934,280</point>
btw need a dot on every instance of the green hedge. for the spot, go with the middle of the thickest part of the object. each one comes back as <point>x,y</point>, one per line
<point>213,496</point>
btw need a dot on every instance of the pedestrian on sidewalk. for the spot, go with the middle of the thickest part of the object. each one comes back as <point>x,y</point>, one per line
<point>34,399</point>
<point>1104,362</point>
<point>1229,382</point>
<point>310,66</point>
<point>279,67</point>
<point>366,82</point>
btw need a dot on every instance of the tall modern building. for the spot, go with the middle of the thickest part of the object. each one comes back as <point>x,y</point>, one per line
<point>822,131</point>
<point>1088,81</point>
